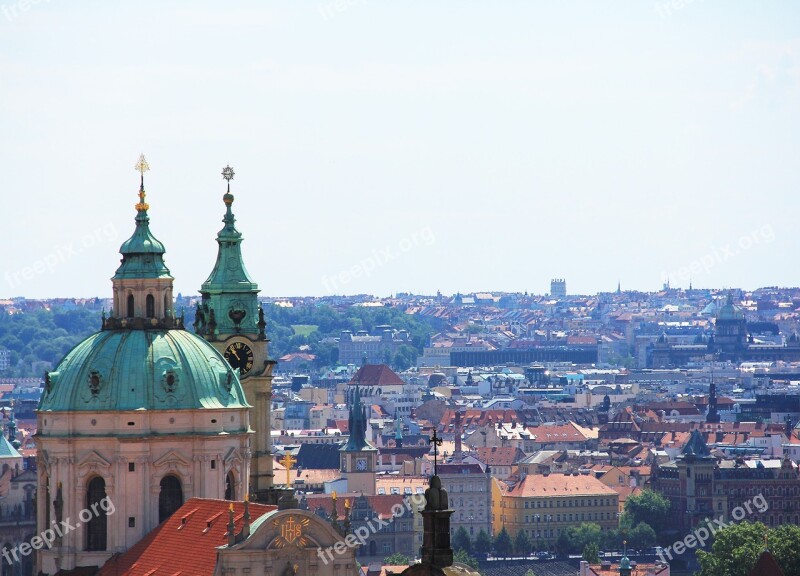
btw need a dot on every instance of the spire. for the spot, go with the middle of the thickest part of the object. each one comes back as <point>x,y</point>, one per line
<point>357,422</point>
<point>142,253</point>
<point>142,282</point>
<point>624,563</point>
<point>229,289</point>
<point>713,415</point>
<point>12,429</point>
<point>398,430</point>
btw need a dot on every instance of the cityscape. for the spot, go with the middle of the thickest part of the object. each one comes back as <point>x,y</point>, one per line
<point>490,292</point>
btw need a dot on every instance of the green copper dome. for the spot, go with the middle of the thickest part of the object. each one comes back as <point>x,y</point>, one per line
<point>730,311</point>
<point>117,370</point>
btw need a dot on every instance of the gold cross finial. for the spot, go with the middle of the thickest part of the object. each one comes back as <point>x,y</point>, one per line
<point>287,462</point>
<point>141,167</point>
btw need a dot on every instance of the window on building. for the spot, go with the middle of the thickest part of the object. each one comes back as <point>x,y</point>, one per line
<point>130,307</point>
<point>230,487</point>
<point>96,527</point>
<point>150,305</point>
<point>170,498</point>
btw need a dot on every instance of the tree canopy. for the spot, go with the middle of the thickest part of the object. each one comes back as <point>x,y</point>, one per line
<point>737,547</point>
<point>397,559</point>
<point>502,543</point>
<point>649,507</point>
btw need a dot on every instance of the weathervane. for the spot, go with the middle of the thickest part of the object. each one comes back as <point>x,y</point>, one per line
<point>436,441</point>
<point>141,167</point>
<point>227,174</point>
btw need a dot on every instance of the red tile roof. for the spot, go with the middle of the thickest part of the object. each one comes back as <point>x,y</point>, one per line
<point>502,456</point>
<point>561,485</point>
<point>766,565</point>
<point>185,543</point>
<point>376,375</point>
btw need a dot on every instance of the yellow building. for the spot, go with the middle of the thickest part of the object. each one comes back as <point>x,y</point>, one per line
<point>544,506</point>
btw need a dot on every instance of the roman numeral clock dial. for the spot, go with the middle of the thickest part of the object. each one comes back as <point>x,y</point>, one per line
<point>240,356</point>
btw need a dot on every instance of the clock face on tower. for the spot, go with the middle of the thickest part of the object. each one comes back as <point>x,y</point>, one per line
<point>361,464</point>
<point>240,356</point>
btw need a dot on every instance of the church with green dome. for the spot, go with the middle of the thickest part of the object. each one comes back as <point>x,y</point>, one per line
<point>143,414</point>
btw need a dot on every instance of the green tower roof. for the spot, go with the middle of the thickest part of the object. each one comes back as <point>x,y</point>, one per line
<point>229,292</point>
<point>142,370</point>
<point>229,273</point>
<point>142,253</point>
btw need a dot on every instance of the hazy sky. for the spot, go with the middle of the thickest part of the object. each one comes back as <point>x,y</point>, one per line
<point>404,146</point>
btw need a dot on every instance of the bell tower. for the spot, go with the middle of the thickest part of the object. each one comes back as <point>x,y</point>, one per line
<point>232,320</point>
<point>358,457</point>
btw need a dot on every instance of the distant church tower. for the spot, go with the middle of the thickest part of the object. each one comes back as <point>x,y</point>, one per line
<point>357,456</point>
<point>713,416</point>
<point>558,288</point>
<point>231,319</point>
<point>135,419</point>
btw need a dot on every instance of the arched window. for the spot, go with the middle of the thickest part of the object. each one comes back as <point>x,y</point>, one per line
<point>96,528</point>
<point>230,487</point>
<point>170,498</point>
<point>130,306</point>
<point>166,307</point>
<point>150,305</point>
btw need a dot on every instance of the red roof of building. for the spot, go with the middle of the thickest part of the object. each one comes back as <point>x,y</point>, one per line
<point>499,456</point>
<point>376,375</point>
<point>185,543</point>
<point>766,565</point>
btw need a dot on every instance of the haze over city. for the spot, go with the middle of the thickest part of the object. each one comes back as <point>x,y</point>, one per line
<point>592,141</point>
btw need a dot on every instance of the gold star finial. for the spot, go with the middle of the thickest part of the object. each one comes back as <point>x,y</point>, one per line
<point>141,167</point>
<point>227,174</point>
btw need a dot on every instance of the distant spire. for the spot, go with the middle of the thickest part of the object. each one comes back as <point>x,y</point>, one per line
<point>357,424</point>
<point>713,415</point>
<point>398,430</point>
